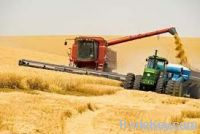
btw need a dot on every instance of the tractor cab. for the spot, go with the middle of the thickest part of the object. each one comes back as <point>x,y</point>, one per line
<point>157,63</point>
<point>155,68</point>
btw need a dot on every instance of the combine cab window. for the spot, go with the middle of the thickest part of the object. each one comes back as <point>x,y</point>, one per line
<point>87,50</point>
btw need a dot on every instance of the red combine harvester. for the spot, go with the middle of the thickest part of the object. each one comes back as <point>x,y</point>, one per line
<point>89,55</point>
<point>91,52</point>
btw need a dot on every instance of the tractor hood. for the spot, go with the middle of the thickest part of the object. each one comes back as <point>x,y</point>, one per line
<point>150,70</point>
<point>150,76</point>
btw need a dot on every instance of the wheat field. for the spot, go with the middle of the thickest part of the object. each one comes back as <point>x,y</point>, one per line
<point>41,101</point>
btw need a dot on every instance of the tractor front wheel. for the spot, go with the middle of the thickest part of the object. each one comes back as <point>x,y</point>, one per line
<point>160,85</point>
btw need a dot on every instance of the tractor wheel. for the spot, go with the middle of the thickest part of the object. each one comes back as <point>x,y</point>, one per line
<point>129,81</point>
<point>137,82</point>
<point>160,85</point>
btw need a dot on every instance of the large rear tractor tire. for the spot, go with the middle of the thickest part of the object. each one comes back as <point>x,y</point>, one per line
<point>160,85</point>
<point>137,82</point>
<point>129,81</point>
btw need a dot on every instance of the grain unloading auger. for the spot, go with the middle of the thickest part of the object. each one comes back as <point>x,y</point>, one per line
<point>170,30</point>
<point>88,55</point>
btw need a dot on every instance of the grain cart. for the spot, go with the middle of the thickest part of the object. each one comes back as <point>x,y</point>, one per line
<point>180,82</point>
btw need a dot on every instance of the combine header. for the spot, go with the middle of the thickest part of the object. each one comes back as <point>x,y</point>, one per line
<point>88,55</point>
<point>63,68</point>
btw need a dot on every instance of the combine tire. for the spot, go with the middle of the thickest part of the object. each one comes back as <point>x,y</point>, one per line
<point>137,82</point>
<point>129,81</point>
<point>106,68</point>
<point>174,88</point>
<point>160,85</point>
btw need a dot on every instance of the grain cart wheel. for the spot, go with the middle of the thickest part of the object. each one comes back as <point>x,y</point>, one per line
<point>136,84</point>
<point>129,81</point>
<point>174,88</point>
<point>160,85</point>
<point>178,89</point>
<point>187,85</point>
<point>170,87</point>
<point>195,91</point>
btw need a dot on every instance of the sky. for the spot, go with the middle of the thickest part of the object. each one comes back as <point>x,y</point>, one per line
<point>98,17</point>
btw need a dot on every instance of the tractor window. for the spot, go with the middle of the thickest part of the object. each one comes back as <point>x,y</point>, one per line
<point>160,65</point>
<point>156,64</point>
<point>87,50</point>
<point>151,63</point>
